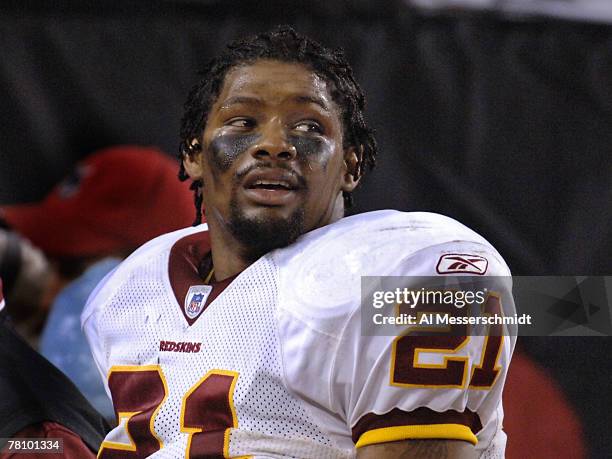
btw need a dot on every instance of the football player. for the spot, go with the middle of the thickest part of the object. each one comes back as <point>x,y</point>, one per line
<point>242,337</point>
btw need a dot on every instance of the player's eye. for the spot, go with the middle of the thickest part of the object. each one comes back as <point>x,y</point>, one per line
<point>241,122</point>
<point>308,126</point>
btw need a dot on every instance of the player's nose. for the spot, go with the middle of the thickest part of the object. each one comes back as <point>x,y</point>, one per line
<point>273,143</point>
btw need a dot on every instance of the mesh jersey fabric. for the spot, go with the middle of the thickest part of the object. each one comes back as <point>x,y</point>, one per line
<point>284,337</point>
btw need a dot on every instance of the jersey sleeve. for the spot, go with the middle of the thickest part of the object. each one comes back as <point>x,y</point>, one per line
<point>437,385</point>
<point>90,318</point>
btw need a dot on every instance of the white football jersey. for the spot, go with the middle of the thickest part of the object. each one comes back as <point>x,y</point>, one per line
<point>273,362</point>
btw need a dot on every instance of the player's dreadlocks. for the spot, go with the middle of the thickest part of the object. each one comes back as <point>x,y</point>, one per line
<point>284,44</point>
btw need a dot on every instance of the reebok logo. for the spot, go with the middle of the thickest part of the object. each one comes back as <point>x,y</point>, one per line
<point>453,263</point>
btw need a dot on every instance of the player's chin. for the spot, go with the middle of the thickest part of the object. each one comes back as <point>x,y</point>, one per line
<point>265,228</point>
<point>268,214</point>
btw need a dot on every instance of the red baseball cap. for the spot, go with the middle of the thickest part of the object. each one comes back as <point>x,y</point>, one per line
<point>116,199</point>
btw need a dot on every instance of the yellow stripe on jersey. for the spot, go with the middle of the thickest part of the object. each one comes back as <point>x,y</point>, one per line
<point>417,432</point>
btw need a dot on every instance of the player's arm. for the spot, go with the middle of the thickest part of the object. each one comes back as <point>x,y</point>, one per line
<point>416,394</point>
<point>421,449</point>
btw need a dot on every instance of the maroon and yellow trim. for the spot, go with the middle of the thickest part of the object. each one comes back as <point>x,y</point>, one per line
<point>422,432</point>
<point>422,423</point>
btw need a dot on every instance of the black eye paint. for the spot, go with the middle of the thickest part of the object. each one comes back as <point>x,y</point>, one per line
<point>226,148</point>
<point>312,148</point>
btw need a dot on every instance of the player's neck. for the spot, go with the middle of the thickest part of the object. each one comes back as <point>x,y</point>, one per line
<point>229,255</point>
<point>227,258</point>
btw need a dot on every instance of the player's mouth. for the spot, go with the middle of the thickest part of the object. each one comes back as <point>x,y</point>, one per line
<point>271,187</point>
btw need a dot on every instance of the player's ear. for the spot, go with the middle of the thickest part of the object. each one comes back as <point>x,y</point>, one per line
<point>352,168</point>
<point>192,160</point>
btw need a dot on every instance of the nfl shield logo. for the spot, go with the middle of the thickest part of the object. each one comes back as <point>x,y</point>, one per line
<point>196,299</point>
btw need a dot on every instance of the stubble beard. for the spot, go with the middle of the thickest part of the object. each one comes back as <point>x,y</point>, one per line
<point>260,235</point>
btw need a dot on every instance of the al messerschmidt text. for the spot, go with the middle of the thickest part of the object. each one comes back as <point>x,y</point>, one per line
<point>449,319</point>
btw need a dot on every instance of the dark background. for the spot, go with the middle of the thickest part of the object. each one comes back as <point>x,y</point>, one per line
<point>504,123</point>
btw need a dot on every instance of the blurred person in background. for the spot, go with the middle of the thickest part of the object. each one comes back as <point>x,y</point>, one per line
<point>29,284</point>
<point>38,401</point>
<point>114,201</point>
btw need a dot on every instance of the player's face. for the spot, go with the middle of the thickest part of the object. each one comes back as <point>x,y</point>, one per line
<point>272,160</point>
